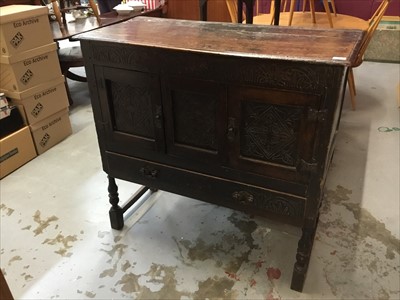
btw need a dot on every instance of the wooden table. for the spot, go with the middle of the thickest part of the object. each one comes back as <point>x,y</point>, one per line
<point>82,25</point>
<point>5,293</point>
<point>240,116</point>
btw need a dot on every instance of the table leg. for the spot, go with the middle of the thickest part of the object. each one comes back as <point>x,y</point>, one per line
<point>303,258</point>
<point>116,213</point>
<point>203,10</point>
<point>240,11</point>
<point>277,11</point>
<point>306,242</point>
<point>249,11</point>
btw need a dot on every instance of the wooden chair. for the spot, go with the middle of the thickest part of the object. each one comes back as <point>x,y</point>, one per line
<point>372,25</point>
<point>233,10</point>
<point>272,9</point>
<point>71,57</point>
<point>312,10</point>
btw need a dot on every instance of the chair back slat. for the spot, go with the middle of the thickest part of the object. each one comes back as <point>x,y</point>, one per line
<point>233,10</point>
<point>60,8</point>
<point>373,24</point>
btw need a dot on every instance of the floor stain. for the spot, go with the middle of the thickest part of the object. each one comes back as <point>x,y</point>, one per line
<point>118,249</point>
<point>361,233</point>
<point>126,266</point>
<point>65,241</point>
<point>90,294</point>
<point>109,272</point>
<point>27,227</point>
<point>273,273</point>
<point>161,283</point>
<point>15,258</point>
<point>366,225</point>
<point>27,277</point>
<point>216,288</point>
<point>7,210</point>
<point>102,234</point>
<point>222,252</point>
<point>43,224</point>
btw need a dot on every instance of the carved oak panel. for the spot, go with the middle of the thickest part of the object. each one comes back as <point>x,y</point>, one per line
<point>132,109</point>
<point>194,119</point>
<point>270,132</point>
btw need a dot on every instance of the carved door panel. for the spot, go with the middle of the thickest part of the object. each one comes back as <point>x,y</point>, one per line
<point>271,132</point>
<point>131,104</point>
<point>195,119</point>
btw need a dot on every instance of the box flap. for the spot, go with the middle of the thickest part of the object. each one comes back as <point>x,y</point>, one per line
<point>28,54</point>
<point>13,13</point>
<point>34,90</point>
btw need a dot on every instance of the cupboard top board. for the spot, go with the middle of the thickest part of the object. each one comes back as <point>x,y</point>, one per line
<point>331,46</point>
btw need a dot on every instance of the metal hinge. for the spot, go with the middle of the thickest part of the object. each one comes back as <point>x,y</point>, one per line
<point>315,115</point>
<point>304,166</point>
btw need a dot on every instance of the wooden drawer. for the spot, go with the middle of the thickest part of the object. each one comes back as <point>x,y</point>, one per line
<point>248,198</point>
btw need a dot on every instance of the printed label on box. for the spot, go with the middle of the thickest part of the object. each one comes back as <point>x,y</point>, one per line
<point>51,130</point>
<point>26,22</point>
<point>37,109</point>
<point>9,154</point>
<point>44,140</point>
<point>41,101</point>
<point>17,39</point>
<point>26,77</point>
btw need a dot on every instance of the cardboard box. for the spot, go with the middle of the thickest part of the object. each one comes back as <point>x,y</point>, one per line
<point>23,27</point>
<point>41,101</point>
<point>51,130</point>
<point>27,69</point>
<point>16,149</point>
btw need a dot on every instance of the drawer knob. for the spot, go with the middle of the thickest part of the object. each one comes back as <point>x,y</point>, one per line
<point>148,173</point>
<point>243,197</point>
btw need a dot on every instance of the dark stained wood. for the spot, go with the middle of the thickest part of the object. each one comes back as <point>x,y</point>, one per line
<point>24,2</point>
<point>5,293</point>
<point>236,115</point>
<point>286,43</point>
<point>81,25</point>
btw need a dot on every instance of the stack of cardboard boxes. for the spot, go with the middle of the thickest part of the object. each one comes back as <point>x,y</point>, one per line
<point>31,79</point>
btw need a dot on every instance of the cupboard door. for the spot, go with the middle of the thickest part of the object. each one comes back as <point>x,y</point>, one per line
<point>195,113</point>
<point>131,102</point>
<point>271,132</point>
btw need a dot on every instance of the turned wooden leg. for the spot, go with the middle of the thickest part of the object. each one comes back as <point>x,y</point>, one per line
<point>352,88</point>
<point>303,258</point>
<point>116,213</point>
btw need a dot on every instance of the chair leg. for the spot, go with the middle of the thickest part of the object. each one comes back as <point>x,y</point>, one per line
<point>304,5</point>
<point>328,12</point>
<point>312,9</point>
<point>292,4</point>
<point>333,7</point>
<point>352,88</point>
<point>272,11</point>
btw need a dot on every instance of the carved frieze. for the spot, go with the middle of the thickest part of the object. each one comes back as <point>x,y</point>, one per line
<point>271,202</point>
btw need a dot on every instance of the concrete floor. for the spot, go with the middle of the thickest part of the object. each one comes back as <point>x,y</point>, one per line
<point>56,240</point>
